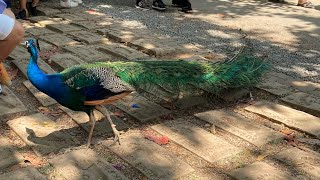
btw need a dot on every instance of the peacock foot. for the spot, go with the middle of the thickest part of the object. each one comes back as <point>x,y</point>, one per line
<point>116,134</point>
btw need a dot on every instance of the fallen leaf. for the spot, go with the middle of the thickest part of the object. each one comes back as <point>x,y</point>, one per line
<point>118,114</point>
<point>261,157</point>
<point>161,140</point>
<point>286,131</point>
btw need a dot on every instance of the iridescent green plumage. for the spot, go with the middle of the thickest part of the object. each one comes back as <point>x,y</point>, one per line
<point>182,76</point>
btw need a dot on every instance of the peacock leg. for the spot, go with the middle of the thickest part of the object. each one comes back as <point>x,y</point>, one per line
<point>106,113</point>
<point>92,120</point>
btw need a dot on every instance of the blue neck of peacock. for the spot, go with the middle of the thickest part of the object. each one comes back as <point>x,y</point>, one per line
<point>35,75</point>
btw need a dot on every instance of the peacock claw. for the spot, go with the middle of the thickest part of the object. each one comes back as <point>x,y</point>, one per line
<point>116,134</point>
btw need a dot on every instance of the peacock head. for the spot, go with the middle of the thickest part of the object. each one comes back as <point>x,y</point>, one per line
<point>33,47</point>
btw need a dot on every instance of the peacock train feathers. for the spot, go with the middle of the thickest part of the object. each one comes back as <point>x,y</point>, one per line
<point>173,76</point>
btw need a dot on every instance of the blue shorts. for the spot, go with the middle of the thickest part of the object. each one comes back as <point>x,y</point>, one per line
<point>9,3</point>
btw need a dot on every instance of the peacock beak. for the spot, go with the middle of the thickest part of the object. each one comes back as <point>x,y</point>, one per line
<point>4,76</point>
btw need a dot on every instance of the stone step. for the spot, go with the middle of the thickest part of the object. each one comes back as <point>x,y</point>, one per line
<point>59,40</point>
<point>92,25</point>
<point>276,83</point>
<point>154,46</point>
<point>122,51</point>
<point>41,133</point>
<point>240,126</point>
<point>307,162</point>
<point>88,53</point>
<point>8,155</point>
<point>45,20</point>
<point>281,84</point>
<point>123,35</point>
<point>37,30</point>
<point>151,159</point>
<point>46,11</point>
<point>102,125</point>
<point>20,54</point>
<point>10,104</point>
<point>27,173</point>
<point>66,60</point>
<point>303,101</point>
<point>140,108</point>
<point>70,17</point>
<point>290,117</point>
<point>88,37</point>
<point>23,66</point>
<point>197,140</point>
<point>260,170</point>
<point>63,27</point>
<point>44,99</point>
<point>83,164</point>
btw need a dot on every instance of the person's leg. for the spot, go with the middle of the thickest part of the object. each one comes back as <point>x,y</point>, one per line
<point>186,6</point>
<point>11,34</point>
<point>32,7</point>
<point>23,12</point>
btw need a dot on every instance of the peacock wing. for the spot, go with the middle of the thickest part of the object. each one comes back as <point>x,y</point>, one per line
<point>94,82</point>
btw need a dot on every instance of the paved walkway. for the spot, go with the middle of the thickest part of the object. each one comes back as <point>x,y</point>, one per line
<point>268,137</point>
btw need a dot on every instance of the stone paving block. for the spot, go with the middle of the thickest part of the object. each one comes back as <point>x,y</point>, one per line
<point>122,51</point>
<point>95,16</point>
<point>10,103</point>
<point>20,53</point>
<point>66,60</point>
<point>275,88</point>
<point>41,133</point>
<point>305,86</point>
<point>261,171</point>
<point>22,64</point>
<point>88,37</point>
<point>44,20</point>
<point>102,125</point>
<point>240,126</point>
<point>71,17</point>
<point>305,102</point>
<point>197,140</point>
<point>46,11</point>
<point>28,173</point>
<point>44,99</point>
<point>153,46</point>
<point>88,53</point>
<point>145,111</point>
<point>84,164</point>
<point>44,46</point>
<point>63,28</point>
<point>60,40</point>
<point>122,34</point>
<point>8,156</point>
<point>308,162</point>
<point>288,116</point>
<point>90,25</point>
<point>151,159</point>
<point>38,30</point>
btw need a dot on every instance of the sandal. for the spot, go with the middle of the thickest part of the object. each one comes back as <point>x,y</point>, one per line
<point>306,4</point>
<point>22,15</point>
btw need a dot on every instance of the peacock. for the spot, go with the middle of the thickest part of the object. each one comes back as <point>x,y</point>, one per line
<point>87,87</point>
